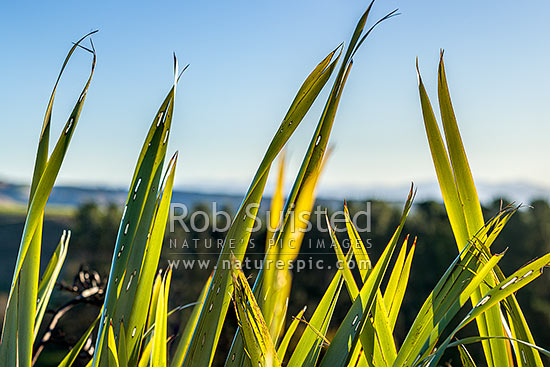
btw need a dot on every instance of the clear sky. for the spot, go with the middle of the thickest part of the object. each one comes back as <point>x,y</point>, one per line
<point>248,59</point>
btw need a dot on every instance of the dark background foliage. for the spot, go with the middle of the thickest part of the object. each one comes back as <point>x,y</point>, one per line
<point>94,229</point>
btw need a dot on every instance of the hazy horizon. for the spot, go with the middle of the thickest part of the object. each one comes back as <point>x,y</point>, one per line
<point>517,192</point>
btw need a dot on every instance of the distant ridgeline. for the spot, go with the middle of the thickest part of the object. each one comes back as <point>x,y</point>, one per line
<point>74,196</point>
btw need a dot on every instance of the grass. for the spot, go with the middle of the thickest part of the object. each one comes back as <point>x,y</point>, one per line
<point>131,328</point>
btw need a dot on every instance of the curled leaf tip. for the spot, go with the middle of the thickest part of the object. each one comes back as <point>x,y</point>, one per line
<point>503,252</point>
<point>181,72</point>
<point>176,73</point>
<point>92,45</point>
<point>391,14</point>
<point>83,47</point>
<point>419,78</point>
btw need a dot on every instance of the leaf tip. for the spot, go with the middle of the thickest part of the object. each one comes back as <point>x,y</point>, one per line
<point>419,78</point>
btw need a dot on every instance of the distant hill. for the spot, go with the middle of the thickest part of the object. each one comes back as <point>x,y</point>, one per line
<point>15,194</point>
<point>71,196</point>
<point>519,192</point>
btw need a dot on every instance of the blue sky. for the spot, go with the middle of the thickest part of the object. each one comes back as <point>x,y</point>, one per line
<point>248,59</point>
